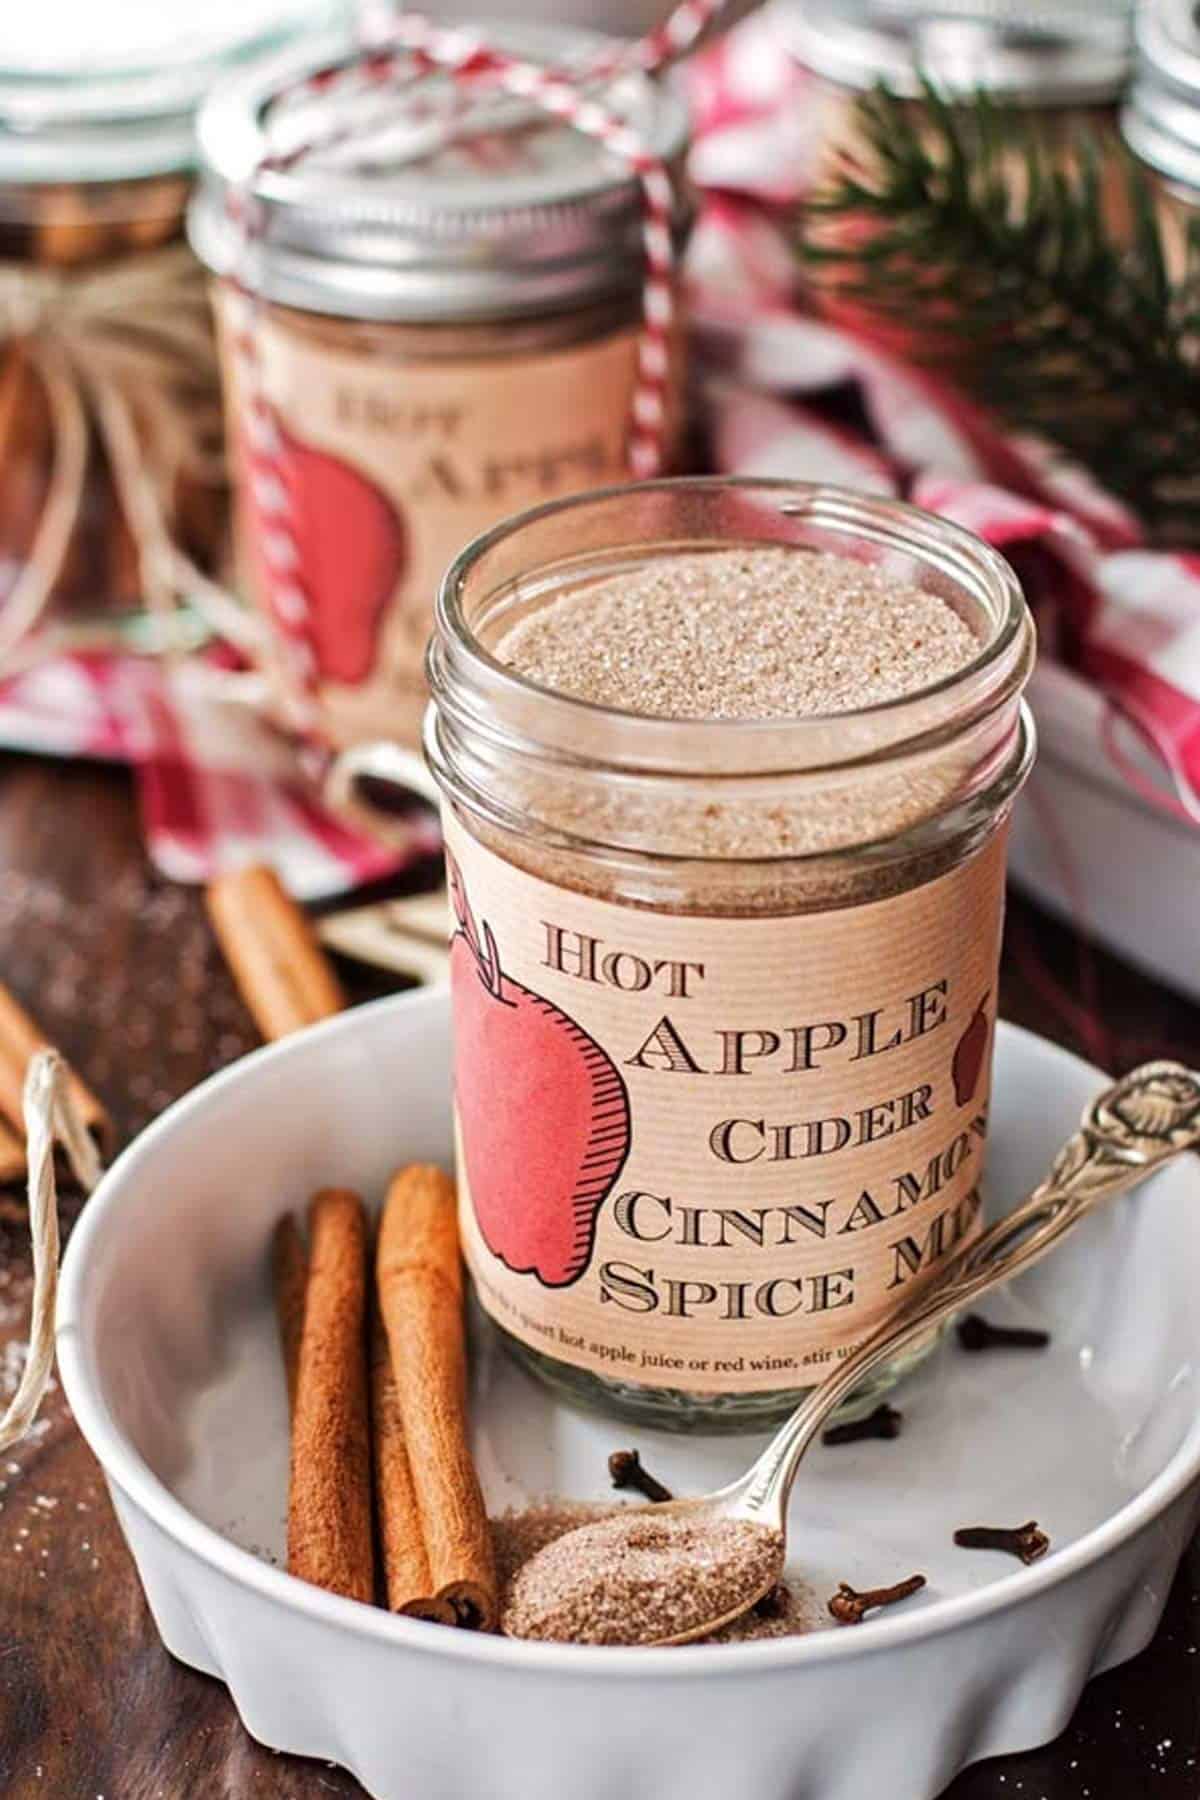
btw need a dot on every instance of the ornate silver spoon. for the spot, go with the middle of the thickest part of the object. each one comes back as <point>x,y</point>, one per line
<point>1130,1130</point>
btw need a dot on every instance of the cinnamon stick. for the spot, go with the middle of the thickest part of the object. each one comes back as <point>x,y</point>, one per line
<point>281,971</point>
<point>20,1039</point>
<point>406,1574</point>
<point>329,1499</point>
<point>419,1277</point>
<point>289,1275</point>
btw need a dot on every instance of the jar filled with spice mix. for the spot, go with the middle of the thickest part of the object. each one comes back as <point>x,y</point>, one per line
<point>110,437</point>
<point>726,769</point>
<point>446,316</point>
<point>1160,121</point>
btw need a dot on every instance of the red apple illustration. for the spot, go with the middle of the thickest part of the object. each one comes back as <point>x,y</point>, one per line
<point>543,1111</point>
<point>969,1054</point>
<point>353,551</point>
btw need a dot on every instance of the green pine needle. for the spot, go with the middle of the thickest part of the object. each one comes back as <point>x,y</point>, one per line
<point>995,254</point>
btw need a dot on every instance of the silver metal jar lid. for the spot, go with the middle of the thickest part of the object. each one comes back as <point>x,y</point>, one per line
<point>1161,118</point>
<point>1024,52</point>
<point>92,93</point>
<point>532,215</point>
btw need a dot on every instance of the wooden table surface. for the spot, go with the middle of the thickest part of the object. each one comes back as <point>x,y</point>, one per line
<point>120,968</point>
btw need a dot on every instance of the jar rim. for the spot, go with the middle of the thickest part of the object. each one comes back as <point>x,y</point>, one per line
<point>73,121</point>
<point>465,675</point>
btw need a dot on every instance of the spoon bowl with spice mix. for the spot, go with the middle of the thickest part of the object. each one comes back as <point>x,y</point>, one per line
<point>681,1570</point>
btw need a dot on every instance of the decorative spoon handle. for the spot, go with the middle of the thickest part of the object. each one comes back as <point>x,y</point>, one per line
<point>1128,1131</point>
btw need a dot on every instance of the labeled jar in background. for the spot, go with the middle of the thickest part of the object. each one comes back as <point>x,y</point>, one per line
<point>724,981</point>
<point>447,331</point>
<point>108,380</point>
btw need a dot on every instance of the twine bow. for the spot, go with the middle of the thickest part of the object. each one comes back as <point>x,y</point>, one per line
<point>126,350</point>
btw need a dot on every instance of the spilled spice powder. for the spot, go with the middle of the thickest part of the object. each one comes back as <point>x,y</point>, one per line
<point>518,1535</point>
<point>789,1610</point>
<point>636,1576</point>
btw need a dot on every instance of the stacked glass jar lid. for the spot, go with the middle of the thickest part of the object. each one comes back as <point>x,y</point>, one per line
<point>1050,54</point>
<point>1161,118</point>
<point>106,360</point>
<point>446,316</point>
<point>91,95</point>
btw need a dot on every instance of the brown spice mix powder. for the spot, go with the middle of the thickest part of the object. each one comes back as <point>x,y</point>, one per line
<point>767,633</point>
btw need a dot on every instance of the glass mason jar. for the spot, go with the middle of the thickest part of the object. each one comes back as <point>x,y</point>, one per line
<point>107,371</point>
<point>1061,63</point>
<point>1160,121</point>
<point>445,333</point>
<point>723,990</point>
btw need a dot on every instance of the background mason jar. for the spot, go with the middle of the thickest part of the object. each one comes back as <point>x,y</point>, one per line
<point>97,147</point>
<point>448,331</point>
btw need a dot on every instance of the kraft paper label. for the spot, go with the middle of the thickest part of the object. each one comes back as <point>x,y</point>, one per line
<point>393,464</point>
<point>713,1153</point>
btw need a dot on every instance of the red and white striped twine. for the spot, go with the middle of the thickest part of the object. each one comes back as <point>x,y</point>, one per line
<point>406,47</point>
<point>666,43</point>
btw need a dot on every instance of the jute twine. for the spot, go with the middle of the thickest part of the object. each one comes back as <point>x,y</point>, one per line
<point>125,355</point>
<point>50,1119</point>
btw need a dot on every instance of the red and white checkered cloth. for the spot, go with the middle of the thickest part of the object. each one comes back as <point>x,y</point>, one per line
<point>218,787</point>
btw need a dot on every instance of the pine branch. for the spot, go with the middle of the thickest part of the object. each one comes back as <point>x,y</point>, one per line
<point>1035,276</point>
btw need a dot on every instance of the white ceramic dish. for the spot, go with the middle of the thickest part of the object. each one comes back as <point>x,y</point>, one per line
<point>168,1355</point>
<point>1141,902</point>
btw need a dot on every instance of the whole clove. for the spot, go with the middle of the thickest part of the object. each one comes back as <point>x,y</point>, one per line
<point>884,1422</point>
<point>977,1333</point>
<point>625,1468</point>
<point>849,1607</point>
<point>774,1603</point>
<point>1028,1542</point>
